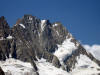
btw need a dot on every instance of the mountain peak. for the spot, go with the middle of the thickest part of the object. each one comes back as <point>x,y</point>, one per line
<point>36,40</point>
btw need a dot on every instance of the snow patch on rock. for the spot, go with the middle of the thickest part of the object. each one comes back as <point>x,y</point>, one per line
<point>9,37</point>
<point>2,38</point>
<point>57,33</point>
<point>43,24</point>
<point>22,25</point>
<point>54,25</point>
<point>30,18</point>
<point>94,49</point>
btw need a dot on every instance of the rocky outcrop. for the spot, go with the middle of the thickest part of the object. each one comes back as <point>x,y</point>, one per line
<point>1,72</point>
<point>4,28</point>
<point>4,42</point>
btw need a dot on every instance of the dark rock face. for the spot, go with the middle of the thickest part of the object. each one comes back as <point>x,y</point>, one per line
<point>1,72</point>
<point>4,28</point>
<point>4,49</point>
<point>4,43</point>
<point>34,38</point>
<point>32,41</point>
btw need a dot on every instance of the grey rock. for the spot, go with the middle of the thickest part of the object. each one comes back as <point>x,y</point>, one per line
<point>1,72</point>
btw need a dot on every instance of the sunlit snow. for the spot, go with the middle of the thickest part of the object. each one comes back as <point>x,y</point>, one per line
<point>85,66</point>
<point>22,25</point>
<point>54,25</point>
<point>9,37</point>
<point>30,18</point>
<point>65,49</point>
<point>42,24</point>
<point>94,49</point>
<point>16,67</point>
<point>46,68</point>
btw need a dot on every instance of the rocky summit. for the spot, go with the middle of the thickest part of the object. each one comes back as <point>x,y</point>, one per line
<point>37,47</point>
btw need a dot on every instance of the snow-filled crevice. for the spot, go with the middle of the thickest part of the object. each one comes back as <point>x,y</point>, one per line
<point>43,23</point>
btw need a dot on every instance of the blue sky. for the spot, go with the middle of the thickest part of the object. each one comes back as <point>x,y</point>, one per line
<point>80,17</point>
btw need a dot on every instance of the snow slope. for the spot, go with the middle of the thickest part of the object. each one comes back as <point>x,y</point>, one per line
<point>46,68</point>
<point>66,48</point>
<point>16,67</point>
<point>94,49</point>
<point>85,66</point>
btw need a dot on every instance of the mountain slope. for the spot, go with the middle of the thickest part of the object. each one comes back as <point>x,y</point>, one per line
<point>30,40</point>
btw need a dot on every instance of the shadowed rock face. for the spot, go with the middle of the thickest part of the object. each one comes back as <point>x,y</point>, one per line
<point>4,28</point>
<point>34,39</point>
<point>1,72</point>
<point>4,43</point>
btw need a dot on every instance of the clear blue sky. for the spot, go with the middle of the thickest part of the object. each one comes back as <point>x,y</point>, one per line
<point>81,17</point>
